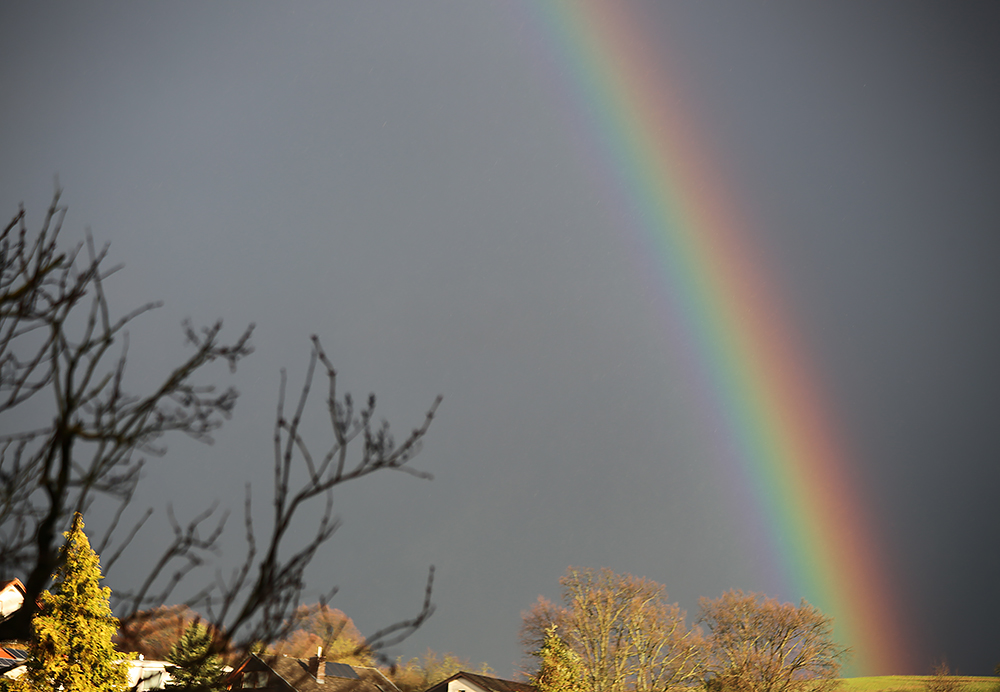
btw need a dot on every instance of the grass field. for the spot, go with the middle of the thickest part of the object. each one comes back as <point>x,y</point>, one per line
<point>916,683</point>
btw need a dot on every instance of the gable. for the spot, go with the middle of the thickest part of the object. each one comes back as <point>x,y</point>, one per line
<point>285,674</point>
<point>473,682</point>
<point>11,597</point>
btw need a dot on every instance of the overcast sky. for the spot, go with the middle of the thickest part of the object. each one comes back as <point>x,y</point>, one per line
<point>401,180</point>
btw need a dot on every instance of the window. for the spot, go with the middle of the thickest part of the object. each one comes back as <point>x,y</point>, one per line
<point>254,679</point>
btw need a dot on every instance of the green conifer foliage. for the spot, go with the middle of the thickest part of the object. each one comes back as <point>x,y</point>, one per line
<point>560,669</point>
<point>71,647</point>
<point>196,667</point>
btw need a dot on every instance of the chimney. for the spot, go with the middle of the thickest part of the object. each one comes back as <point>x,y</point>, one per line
<point>317,666</point>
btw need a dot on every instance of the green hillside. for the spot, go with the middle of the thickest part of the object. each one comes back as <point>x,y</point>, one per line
<point>917,683</point>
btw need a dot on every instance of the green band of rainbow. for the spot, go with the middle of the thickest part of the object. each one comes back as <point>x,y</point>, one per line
<point>759,380</point>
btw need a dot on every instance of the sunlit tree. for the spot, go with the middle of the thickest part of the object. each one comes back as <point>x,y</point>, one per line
<point>420,673</point>
<point>758,644</point>
<point>627,635</point>
<point>319,625</point>
<point>70,648</point>
<point>559,667</point>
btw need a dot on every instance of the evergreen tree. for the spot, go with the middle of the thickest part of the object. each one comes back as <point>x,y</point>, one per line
<point>70,648</point>
<point>197,668</point>
<point>560,669</point>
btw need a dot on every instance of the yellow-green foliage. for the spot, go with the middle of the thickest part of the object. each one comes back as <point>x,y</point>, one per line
<point>916,683</point>
<point>416,674</point>
<point>560,669</point>
<point>71,647</point>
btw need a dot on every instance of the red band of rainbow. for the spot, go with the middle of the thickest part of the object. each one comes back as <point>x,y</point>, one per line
<point>759,380</point>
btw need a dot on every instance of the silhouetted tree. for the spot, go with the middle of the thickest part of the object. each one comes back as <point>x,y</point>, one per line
<point>59,335</point>
<point>757,644</point>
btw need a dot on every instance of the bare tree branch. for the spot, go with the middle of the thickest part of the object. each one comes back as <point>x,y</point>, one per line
<point>263,605</point>
<point>58,335</point>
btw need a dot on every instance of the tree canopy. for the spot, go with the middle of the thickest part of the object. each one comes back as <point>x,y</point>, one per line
<point>618,633</point>
<point>154,632</point>
<point>628,637</point>
<point>559,667</point>
<point>758,644</point>
<point>319,625</point>
<point>418,674</point>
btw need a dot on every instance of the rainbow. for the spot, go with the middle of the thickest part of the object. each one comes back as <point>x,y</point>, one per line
<point>758,381</point>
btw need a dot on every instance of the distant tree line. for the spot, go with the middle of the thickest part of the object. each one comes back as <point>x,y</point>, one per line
<point>178,634</point>
<point>617,633</point>
<point>612,632</point>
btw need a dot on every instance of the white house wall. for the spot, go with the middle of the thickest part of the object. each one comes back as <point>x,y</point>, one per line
<point>10,600</point>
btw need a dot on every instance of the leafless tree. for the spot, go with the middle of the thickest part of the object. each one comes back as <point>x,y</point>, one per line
<point>626,634</point>
<point>58,335</point>
<point>757,644</point>
<point>942,678</point>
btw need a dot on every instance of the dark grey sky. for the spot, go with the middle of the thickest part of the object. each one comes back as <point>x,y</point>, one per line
<point>400,180</point>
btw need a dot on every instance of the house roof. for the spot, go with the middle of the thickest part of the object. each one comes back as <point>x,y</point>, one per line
<point>485,682</point>
<point>340,677</point>
<point>12,657</point>
<point>7,664</point>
